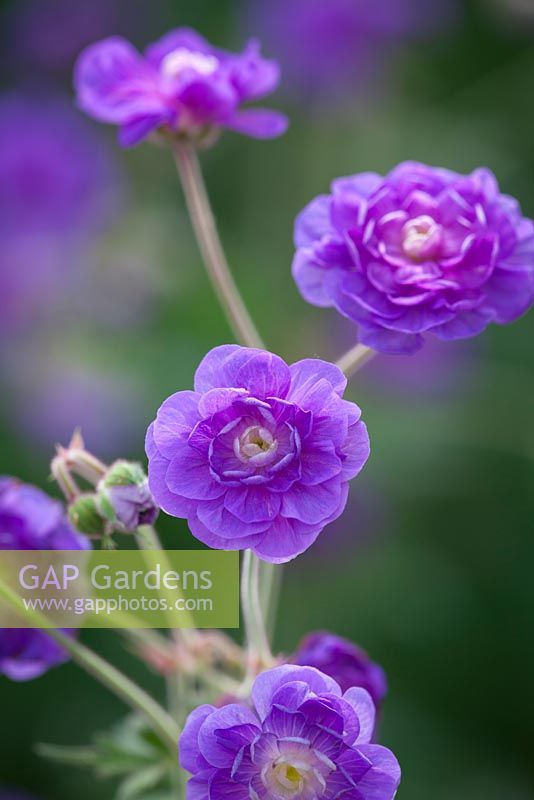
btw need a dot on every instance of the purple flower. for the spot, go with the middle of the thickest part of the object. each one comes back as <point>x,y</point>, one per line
<point>329,47</point>
<point>49,36</point>
<point>343,661</point>
<point>302,740</point>
<point>259,456</point>
<point>30,520</point>
<point>14,794</point>
<point>55,175</point>
<point>423,250</point>
<point>57,188</point>
<point>181,85</point>
<point>54,396</point>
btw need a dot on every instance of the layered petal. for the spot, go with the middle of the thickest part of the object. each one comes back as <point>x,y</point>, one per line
<point>431,252</point>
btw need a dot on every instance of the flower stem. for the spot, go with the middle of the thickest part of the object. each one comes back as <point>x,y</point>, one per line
<point>210,246</point>
<point>355,359</point>
<point>147,541</point>
<point>108,675</point>
<point>264,649</point>
<point>259,651</point>
<point>271,582</point>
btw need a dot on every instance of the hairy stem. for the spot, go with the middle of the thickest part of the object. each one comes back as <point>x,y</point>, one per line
<point>211,248</point>
<point>355,359</point>
<point>271,582</point>
<point>108,675</point>
<point>259,652</point>
<point>147,541</point>
<point>264,649</point>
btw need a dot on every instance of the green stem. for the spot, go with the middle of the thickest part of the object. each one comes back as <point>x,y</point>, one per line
<point>108,675</point>
<point>210,246</point>
<point>148,541</point>
<point>255,632</point>
<point>355,359</point>
<point>271,582</point>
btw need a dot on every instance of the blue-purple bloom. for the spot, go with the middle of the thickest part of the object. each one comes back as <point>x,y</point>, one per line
<point>56,187</point>
<point>330,47</point>
<point>422,251</point>
<point>260,455</point>
<point>343,661</point>
<point>302,739</point>
<point>30,520</point>
<point>181,85</point>
<point>55,174</point>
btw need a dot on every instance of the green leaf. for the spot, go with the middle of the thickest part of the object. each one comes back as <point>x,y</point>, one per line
<point>138,782</point>
<point>73,756</point>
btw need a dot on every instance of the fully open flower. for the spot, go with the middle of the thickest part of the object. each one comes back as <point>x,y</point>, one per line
<point>181,84</point>
<point>260,455</point>
<point>30,520</point>
<point>302,740</point>
<point>423,250</point>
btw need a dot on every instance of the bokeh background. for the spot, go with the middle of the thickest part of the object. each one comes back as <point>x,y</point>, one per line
<point>105,310</point>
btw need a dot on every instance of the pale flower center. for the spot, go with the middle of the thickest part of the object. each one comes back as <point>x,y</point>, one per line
<point>287,781</point>
<point>421,238</point>
<point>255,445</point>
<point>181,59</point>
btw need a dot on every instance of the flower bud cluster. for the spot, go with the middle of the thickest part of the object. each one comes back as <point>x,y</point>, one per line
<point>118,499</point>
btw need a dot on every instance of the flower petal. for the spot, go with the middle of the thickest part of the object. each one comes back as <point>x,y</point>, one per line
<point>115,84</point>
<point>268,683</point>
<point>260,123</point>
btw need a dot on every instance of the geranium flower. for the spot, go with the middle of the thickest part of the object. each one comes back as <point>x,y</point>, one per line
<point>180,85</point>
<point>302,739</point>
<point>260,455</point>
<point>30,520</point>
<point>423,250</point>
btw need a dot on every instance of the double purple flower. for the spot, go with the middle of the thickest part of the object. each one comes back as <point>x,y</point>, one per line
<point>180,85</point>
<point>260,455</point>
<point>302,739</point>
<point>30,520</point>
<point>423,250</point>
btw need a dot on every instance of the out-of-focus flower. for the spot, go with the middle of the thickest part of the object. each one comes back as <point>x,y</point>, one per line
<point>57,187</point>
<point>260,455</point>
<point>55,174</point>
<point>343,661</point>
<point>49,36</point>
<point>125,497</point>
<point>30,520</point>
<point>54,396</point>
<point>330,47</point>
<point>181,85</point>
<point>423,250</point>
<point>31,275</point>
<point>302,739</point>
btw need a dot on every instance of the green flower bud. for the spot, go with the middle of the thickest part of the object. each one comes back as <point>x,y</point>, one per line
<point>85,515</point>
<point>124,497</point>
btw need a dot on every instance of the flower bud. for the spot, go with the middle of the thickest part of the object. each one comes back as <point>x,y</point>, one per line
<point>85,516</point>
<point>124,497</point>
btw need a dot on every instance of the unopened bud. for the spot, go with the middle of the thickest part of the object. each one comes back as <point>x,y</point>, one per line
<point>124,497</point>
<point>86,517</point>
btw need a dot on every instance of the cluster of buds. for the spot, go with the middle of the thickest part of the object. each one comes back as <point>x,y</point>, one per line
<point>115,499</point>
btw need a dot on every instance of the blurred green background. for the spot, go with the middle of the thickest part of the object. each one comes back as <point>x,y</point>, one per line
<point>430,570</point>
